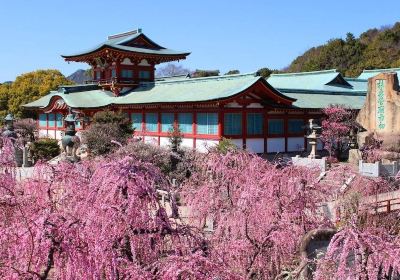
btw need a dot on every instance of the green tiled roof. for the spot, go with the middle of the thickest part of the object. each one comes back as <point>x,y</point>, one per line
<point>316,81</point>
<point>175,91</point>
<point>359,85</point>
<point>118,41</point>
<point>366,74</point>
<point>323,100</point>
<point>320,89</point>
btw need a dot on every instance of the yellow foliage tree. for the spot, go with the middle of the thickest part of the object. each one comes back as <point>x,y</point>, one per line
<point>29,87</point>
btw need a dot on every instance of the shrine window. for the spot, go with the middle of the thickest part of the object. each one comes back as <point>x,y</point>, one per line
<point>43,120</point>
<point>295,126</point>
<point>145,75</point>
<point>255,123</point>
<point>151,122</point>
<point>275,126</point>
<point>137,119</point>
<point>185,121</point>
<point>207,123</point>
<point>127,74</point>
<point>167,121</point>
<point>51,120</point>
<point>113,73</point>
<point>233,123</point>
<point>59,120</point>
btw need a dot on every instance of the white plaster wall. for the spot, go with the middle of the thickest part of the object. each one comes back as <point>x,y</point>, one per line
<point>233,105</point>
<point>151,140</point>
<point>276,145</point>
<point>144,62</point>
<point>43,133</point>
<point>187,142</point>
<point>127,61</point>
<point>51,134</point>
<point>237,142</point>
<point>255,105</point>
<point>59,134</point>
<point>295,144</point>
<point>255,145</point>
<point>203,144</point>
<point>164,141</point>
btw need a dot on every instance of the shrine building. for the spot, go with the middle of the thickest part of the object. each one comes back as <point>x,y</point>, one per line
<point>261,115</point>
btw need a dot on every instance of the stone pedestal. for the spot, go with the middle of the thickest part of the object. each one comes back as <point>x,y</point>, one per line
<point>354,156</point>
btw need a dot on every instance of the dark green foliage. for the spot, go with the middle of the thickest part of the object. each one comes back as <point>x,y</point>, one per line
<point>175,138</point>
<point>232,72</point>
<point>226,145</point>
<point>205,73</point>
<point>107,131</point>
<point>266,72</point>
<point>45,149</point>
<point>373,49</point>
<point>119,118</point>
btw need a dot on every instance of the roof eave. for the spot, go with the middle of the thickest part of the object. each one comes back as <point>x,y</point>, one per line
<point>182,55</point>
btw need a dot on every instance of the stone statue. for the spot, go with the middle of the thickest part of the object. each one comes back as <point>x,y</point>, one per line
<point>70,142</point>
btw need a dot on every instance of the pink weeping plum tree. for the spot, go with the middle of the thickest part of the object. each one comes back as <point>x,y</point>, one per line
<point>260,212</point>
<point>94,220</point>
<point>336,128</point>
<point>103,219</point>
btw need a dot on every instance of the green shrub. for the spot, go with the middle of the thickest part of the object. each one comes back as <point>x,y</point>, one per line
<point>107,131</point>
<point>45,149</point>
<point>119,118</point>
<point>226,145</point>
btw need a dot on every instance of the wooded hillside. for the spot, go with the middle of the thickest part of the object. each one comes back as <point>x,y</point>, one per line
<point>375,48</point>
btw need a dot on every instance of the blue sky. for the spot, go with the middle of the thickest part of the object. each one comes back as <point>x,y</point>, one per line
<point>244,35</point>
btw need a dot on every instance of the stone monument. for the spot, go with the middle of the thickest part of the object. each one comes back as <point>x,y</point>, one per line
<point>380,113</point>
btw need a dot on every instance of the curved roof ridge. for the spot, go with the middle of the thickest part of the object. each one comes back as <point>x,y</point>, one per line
<point>307,73</point>
<point>381,69</point>
<point>222,77</point>
<point>355,79</point>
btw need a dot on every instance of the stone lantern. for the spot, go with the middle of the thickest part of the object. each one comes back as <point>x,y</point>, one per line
<point>313,138</point>
<point>70,142</point>
<point>9,132</point>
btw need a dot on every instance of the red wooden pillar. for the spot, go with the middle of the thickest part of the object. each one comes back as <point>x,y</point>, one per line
<point>265,130</point>
<point>244,126</point>
<point>143,124</point>
<point>285,131</point>
<point>158,127</point>
<point>194,129</point>
<point>220,123</point>
<point>305,121</point>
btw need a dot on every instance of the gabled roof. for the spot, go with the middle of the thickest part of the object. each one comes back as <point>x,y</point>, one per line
<point>319,89</point>
<point>318,81</point>
<point>126,42</point>
<point>175,91</point>
<point>366,74</point>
